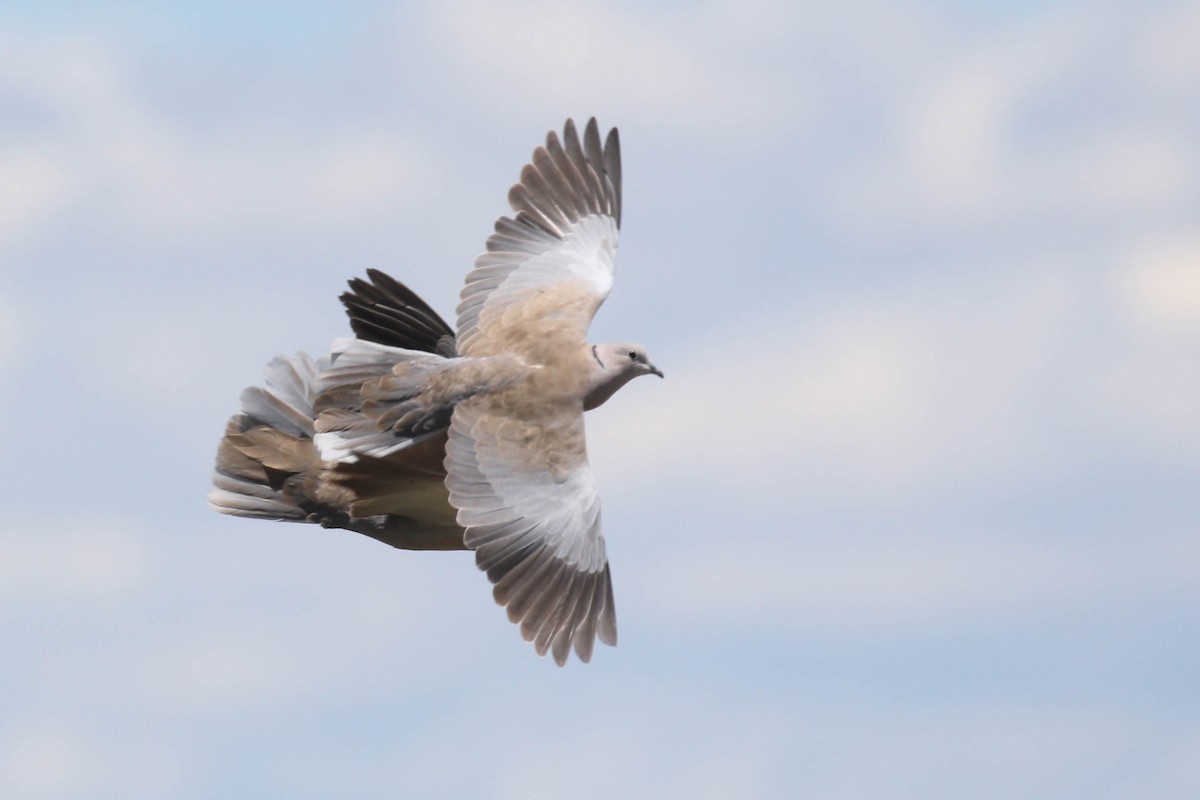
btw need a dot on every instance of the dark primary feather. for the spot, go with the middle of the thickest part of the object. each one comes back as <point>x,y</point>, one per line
<point>385,311</point>
<point>567,180</point>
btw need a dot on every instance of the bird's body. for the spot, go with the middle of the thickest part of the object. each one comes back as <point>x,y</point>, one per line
<point>429,439</point>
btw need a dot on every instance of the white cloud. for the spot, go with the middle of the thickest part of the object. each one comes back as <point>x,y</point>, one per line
<point>948,749</point>
<point>848,386</point>
<point>1158,284</point>
<point>1124,170</point>
<point>215,674</point>
<point>42,170</point>
<point>175,363</point>
<point>264,614</point>
<point>647,754</point>
<point>973,147</point>
<point>44,760</point>
<point>1181,770</point>
<point>10,332</point>
<point>1147,384</point>
<point>952,144</point>
<point>104,135</point>
<point>269,178</point>
<point>875,396</point>
<point>1166,49</point>
<point>168,362</point>
<point>225,668</point>
<point>37,183</point>
<point>882,587</point>
<point>669,67</point>
<point>70,556</point>
<point>1146,397</point>
<point>43,765</point>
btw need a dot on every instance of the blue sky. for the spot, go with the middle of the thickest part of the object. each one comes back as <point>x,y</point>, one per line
<point>913,515</point>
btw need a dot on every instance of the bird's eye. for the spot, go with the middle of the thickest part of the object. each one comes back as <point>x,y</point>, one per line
<point>633,356</point>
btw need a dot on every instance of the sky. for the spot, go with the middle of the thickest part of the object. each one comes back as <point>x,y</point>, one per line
<point>914,514</point>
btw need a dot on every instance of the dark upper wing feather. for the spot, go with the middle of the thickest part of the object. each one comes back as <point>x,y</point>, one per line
<point>385,311</point>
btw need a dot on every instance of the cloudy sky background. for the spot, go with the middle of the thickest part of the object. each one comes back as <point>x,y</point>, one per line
<point>915,513</point>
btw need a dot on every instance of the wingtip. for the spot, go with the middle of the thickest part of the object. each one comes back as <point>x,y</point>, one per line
<point>592,129</point>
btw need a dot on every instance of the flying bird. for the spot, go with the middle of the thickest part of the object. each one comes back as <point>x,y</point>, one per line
<point>428,438</point>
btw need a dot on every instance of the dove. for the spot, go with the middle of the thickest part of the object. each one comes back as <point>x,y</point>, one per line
<point>430,438</point>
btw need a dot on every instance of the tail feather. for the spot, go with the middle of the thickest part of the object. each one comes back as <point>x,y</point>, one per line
<point>292,379</point>
<point>269,465</point>
<point>231,494</point>
<point>267,454</point>
<point>263,406</point>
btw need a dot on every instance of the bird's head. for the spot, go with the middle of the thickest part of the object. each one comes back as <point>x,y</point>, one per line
<point>612,366</point>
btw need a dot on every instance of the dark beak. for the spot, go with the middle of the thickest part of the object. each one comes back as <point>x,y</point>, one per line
<point>655,370</point>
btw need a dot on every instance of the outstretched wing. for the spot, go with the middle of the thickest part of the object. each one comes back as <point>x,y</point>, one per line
<point>526,497</point>
<point>550,267</point>
<point>385,311</point>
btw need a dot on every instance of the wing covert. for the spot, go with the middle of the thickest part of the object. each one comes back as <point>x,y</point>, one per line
<point>561,240</point>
